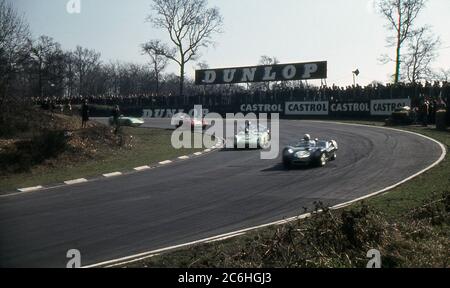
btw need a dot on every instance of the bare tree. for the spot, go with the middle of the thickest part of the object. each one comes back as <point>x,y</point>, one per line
<point>264,60</point>
<point>442,74</point>
<point>401,16</point>
<point>190,25</point>
<point>70,73</point>
<point>267,60</point>
<point>203,65</point>
<point>14,35</point>
<point>46,55</point>
<point>157,51</point>
<point>85,61</point>
<point>422,50</point>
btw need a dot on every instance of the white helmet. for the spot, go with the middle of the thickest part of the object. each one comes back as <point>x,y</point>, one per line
<point>307,137</point>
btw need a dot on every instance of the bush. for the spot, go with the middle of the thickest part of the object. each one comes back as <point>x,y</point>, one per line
<point>50,144</point>
<point>26,153</point>
<point>437,212</point>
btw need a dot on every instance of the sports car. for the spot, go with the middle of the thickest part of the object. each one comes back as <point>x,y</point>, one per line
<point>127,121</point>
<point>194,123</point>
<point>307,153</point>
<point>253,136</point>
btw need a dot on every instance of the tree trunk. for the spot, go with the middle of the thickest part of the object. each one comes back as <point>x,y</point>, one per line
<point>157,84</point>
<point>41,89</point>
<point>80,85</point>
<point>399,43</point>
<point>181,96</point>
<point>157,79</point>
<point>397,63</point>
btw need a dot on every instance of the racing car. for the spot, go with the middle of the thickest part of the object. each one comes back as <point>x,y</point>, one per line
<point>252,136</point>
<point>310,153</point>
<point>127,121</point>
<point>194,123</point>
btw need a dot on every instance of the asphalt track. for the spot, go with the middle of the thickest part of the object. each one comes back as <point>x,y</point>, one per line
<point>222,192</point>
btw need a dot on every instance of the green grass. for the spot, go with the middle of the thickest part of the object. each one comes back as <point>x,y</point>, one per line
<point>150,146</point>
<point>402,224</point>
<point>413,193</point>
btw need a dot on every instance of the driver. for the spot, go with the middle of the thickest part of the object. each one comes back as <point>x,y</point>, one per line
<point>307,140</point>
<point>247,126</point>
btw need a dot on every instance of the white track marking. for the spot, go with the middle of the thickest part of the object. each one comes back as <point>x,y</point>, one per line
<point>132,261</point>
<point>230,235</point>
<point>113,174</point>
<point>207,150</point>
<point>142,168</point>
<point>30,189</point>
<point>198,153</point>
<point>146,255</point>
<point>76,181</point>
<point>83,180</point>
<point>225,238</point>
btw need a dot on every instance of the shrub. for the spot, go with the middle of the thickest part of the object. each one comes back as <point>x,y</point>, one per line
<point>26,153</point>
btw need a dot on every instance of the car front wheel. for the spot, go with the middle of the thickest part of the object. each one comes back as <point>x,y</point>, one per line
<point>322,160</point>
<point>287,165</point>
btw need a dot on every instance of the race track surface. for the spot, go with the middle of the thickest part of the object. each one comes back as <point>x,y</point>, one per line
<point>222,192</point>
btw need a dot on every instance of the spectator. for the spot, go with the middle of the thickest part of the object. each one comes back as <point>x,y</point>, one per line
<point>84,114</point>
<point>116,115</point>
<point>425,110</point>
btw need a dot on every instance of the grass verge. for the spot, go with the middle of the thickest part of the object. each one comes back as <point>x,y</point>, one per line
<point>409,225</point>
<point>147,146</point>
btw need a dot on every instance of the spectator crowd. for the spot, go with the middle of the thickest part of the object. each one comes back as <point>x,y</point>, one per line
<point>214,97</point>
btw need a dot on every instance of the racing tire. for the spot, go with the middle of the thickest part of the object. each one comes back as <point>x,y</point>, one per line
<point>322,161</point>
<point>333,157</point>
<point>265,144</point>
<point>287,165</point>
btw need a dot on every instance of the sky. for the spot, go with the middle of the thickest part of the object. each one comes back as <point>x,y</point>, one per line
<point>349,34</point>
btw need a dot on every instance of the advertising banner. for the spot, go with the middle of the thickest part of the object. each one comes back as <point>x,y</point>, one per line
<point>262,108</point>
<point>350,109</point>
<point>387,106</point>
<point>168,112</point>
<point>265,73</point>
<point>306,108</point>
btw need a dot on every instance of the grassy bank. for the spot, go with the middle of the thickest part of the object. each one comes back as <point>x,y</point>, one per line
<point>409,225</point>
<point>141,147</point>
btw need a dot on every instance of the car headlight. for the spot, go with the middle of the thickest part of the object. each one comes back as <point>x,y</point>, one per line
<point>290,151</point>
<point>302,154</point>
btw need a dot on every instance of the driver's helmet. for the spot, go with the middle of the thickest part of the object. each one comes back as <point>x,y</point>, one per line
<point>307,138</point>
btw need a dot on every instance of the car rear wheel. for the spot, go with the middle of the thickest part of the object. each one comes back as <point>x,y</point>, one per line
<point>334,156</point>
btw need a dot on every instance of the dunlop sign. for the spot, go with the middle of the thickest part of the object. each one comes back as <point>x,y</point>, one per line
<point>279,72</point>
